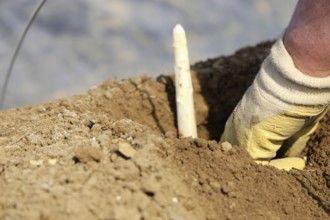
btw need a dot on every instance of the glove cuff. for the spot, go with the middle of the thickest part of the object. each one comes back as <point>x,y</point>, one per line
<point>281,82</point>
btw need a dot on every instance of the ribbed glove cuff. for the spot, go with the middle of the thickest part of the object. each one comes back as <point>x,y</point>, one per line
<point>280,81</point>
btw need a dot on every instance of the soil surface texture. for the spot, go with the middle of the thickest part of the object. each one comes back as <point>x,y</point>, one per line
<point>113,153</point>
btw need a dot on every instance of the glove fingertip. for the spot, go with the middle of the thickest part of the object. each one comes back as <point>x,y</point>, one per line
<point>288,163</point>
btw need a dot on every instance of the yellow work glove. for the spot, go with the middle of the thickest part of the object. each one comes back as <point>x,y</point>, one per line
<point>279,112</point>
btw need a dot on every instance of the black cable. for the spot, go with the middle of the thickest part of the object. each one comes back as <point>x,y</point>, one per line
<point>19,44</point>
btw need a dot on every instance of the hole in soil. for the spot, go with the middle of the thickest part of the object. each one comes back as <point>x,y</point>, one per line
<point>75,159</point>
<point>91,123</point>
<point>150,194</point>
<point>223,82</point>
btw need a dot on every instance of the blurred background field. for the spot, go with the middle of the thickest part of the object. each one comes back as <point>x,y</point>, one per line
<point>74,45</point>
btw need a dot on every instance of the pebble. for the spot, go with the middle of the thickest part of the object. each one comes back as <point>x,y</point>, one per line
<point>226,146</point>
<point>227,187</point>
<point>52,161</point>
<point>150,185</point>
<point>175,200</point>
<point>36,162</point>
<point>126,149</point>
<point>215,186</point>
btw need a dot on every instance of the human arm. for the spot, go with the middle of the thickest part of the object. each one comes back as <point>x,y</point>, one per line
<point>289,95</point>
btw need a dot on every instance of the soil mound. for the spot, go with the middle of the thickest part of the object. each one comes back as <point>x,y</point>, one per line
<point>113,153</point>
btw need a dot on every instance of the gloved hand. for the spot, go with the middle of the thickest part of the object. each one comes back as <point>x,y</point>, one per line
<point>279,112</point>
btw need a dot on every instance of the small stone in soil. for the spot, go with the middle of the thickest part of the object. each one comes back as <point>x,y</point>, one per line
<point>215,186</point>
<point>36,162</point>
<point>126,149</point>
<point>52,161</point>
<point>150,185</point>
<point>226,146</point>
<point>227,187</point>
<point>88,153</point>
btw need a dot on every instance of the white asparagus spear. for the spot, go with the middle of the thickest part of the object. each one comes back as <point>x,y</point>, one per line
<point>183,85</point>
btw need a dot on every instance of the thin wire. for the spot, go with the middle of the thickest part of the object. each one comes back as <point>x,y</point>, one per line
<point>19,44</point>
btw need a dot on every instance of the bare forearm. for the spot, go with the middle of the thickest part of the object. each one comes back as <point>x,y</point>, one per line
<point>307,37</point>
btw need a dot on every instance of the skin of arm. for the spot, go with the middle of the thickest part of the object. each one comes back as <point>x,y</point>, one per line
<point>307,38</point>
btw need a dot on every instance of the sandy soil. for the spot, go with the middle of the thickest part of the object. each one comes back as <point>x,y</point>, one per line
<point>113,153</point>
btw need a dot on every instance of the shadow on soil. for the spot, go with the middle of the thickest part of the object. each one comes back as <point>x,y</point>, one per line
<point>224,80</point>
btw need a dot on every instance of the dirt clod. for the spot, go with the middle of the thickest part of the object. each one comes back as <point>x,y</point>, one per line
<point>85,154</point>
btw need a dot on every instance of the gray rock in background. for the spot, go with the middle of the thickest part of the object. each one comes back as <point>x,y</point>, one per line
<point>74,45</point>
